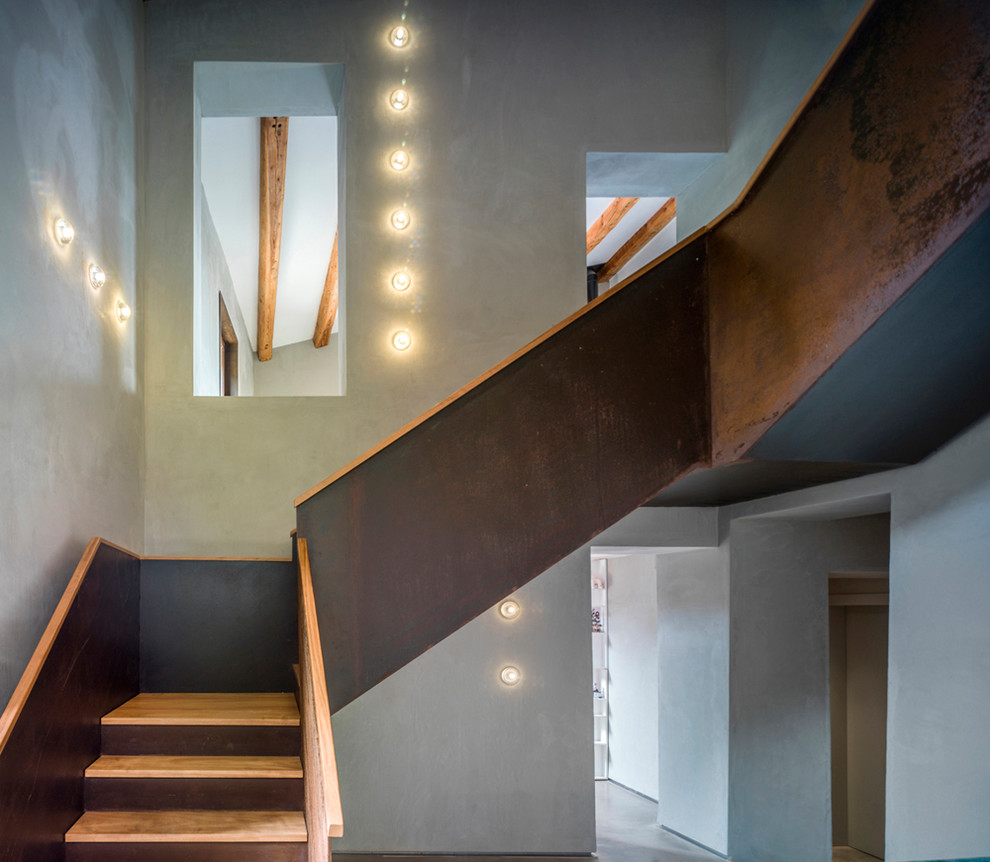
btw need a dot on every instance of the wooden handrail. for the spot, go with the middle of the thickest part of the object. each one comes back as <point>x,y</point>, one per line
<point>324,818</point>
<point>540,339</point>
<point>30,676</point>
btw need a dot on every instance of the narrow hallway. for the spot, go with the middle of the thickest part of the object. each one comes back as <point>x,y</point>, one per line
<point>628,831</point>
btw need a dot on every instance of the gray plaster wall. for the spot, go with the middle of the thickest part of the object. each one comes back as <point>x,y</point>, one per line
<point>299,369</point>
<point>779,732</point>
<point>775,50</point>
<point>632,672</point>
<point>442,758</point>
<point>693,639</point>
<point>216,282</point>
<point>938,763</point>
<point>71,376</point>
<point>498,129</point>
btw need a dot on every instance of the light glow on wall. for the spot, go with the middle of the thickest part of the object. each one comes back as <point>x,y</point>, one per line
<point>399,160</point>
<point>399,99</point>
<point>64,232</point>
<point>402,340</point>
<point>509,609</point>
<point>510,675</point>
<point>400,219</point>
<point>401,281</point>
<point>400,36</point>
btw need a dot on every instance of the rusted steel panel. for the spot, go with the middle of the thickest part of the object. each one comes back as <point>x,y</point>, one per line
<point>509,479</point>
<point>886,167</point>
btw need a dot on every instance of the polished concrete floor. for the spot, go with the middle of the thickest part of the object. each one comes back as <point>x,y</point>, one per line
<point>628,832</point>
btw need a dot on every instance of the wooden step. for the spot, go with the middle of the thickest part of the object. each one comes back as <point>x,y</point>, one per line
<point>110,827</point>
<point>265,709</point>
<point>155,783</point>
<point>167,766</point>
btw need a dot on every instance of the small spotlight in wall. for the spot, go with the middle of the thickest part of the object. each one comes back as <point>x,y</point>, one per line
<point>399,160</point>
<point>400,36</point>
<point>97,277</point>
<point>510,675</point>
<point>64,232</point>
<point>400,219</point>
<point>402,340</point>
<point>401,281</point>
<point>122,310</point>
<point>509,609</point>
<point>399,99</point>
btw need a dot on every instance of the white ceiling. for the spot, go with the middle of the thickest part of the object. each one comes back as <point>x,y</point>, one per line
<point>230,166</point>
<point>631,222</point>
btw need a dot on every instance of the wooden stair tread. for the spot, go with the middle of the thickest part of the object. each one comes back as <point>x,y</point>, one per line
<point>277,709</point>
<point>187,826</point>
<point>178,766</point>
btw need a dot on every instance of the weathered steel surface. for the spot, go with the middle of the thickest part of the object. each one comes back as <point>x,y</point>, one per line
<point>886,167</point>
<point>510,478</point>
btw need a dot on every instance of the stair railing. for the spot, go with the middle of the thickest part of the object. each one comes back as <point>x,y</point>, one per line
<point>324,818</point>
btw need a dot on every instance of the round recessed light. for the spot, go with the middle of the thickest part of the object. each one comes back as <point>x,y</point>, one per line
<point>402,280</point>
<point>399,99</point>
<point>509,609</point>
<point>510,675</point>
<point>123,311</point>
<point>64,232</point>
<point>400,36</point>
<point>402,340</point>
<point>400,219</point>
<point>399,160</point>
<point>97,277</point>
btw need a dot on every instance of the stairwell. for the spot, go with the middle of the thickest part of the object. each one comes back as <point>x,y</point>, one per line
<point>195,776</point>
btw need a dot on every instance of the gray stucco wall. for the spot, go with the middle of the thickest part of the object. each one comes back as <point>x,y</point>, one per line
<point>779,740</point>
<point>71,376</point>
<point>498,130</point>
<point>774,51</point>
<point>632,672</point>
<point>442,758</point>
<point>693,638</point>
<point>938,695</point>
<point>938,762</point>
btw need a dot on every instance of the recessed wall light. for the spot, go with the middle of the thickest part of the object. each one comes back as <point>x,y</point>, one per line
<point>401,280</point>
<point>509,609</point>
<point>399,99</point>
<point>402,340</point>
<point>400,219</point>
<point>123,311</point>
<point>399,160</point>
<point>64,232</point>
<point>97,277</point>
<point>510,675</point>
<point>400,36</point>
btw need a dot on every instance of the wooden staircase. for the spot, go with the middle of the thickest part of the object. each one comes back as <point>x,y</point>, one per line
<point>195,776</point>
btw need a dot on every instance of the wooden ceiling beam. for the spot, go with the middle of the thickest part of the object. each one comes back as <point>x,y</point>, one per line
<point>274,143</point>
<point>328,302</point>
<point>656,223</point>
<point>608,220</point>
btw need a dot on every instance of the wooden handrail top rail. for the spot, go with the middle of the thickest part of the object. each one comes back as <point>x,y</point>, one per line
<point>30,676</point>
<point>729,211</point>
<point>318,751</point>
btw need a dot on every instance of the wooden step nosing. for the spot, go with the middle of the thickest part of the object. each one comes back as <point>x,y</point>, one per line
<point>197,721</point>
<point>213,828</point>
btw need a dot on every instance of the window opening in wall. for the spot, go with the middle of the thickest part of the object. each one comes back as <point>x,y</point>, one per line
<point>228,352</point>
<point>268,228</point>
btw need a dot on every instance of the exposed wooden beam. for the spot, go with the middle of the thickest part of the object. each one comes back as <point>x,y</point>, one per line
<point>274,141</point>
<point>656,223</point>
<point>607,220</point>
<point>328,303</point>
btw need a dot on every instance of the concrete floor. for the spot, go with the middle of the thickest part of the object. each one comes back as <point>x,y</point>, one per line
<point>627,830</point>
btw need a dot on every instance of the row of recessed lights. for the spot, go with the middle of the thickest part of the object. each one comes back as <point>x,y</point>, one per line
<point>399,160</point>
<point>65,233</point>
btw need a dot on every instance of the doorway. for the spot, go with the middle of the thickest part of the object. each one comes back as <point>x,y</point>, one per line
<point>858,624</point>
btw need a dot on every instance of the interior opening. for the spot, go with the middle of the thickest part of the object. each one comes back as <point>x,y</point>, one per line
<point>268,232</point>
<point>228,352</point>
<point>858,625</point>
